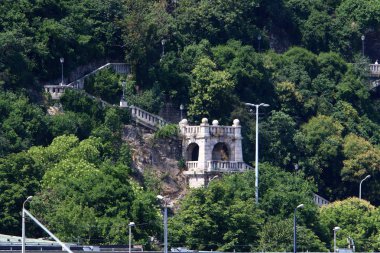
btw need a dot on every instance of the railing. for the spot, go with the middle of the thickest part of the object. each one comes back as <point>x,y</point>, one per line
<point>56,91</point>
<point>213,130</point>
<point>148,119</point>
<point>226,166</point>
<point>222,166</point>
<point>192,130</point>
<point>222,130</point>
<point>121,68</point>
<point>374,69</point>
<point>318,200</point>
<point>192,165</point>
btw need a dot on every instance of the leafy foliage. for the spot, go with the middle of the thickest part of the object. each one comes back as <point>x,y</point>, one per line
<point>167,131</point>
<point>357,218</point>
<point>304,58</point>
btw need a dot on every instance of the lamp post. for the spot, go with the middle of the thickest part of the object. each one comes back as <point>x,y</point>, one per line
<point>130,225</point>
<point>164,201</point>
<point>363,38</point>
<point>209,181</point>
<point>123,83</point>
<point>181,107</point>
<point>335,229</point>
<point>259,40</point>
<point>257,149</point>
<point>23,224</point>
<point>163,47</point>
<point>360,186</point>
<point>62,60</point>
<point>295,228</point>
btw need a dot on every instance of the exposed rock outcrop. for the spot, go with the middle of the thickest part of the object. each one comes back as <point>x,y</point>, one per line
<point>156,160</point>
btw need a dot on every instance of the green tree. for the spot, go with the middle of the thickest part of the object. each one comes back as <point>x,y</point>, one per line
<point>88,196</point>
<point>361,159</point>
<point>319,142</point>
<point>220,217</point>
<point>22,124</point>
<point>106,85</point>
<point>20,177</point>
<point>277,236</point>
<point>210,91</point>
<point>355,218</point>
<point>277,138</point>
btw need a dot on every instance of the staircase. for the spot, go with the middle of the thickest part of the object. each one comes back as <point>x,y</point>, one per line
<point>139,115</point>
<point>121,68</point>
<point>146,119</point>
<point>57,90</point>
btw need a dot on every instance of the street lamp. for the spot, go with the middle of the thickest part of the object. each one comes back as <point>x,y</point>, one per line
<point>62,60</point>
<point>363,38</point>
<point>165,201</point>
<point>130,225</point>
<point>360,186</point>
<point>181,107</point>
<point>123,83</point>
<point>163,47</point>
<point>23,224</point>
<point>335,229</point>
<point>295,228</point>
<point>257,149</point>
<point>259,39</point>
<point>214,177</point>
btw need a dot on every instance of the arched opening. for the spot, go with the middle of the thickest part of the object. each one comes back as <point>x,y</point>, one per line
<point>220,152</point>
<point>192,152</point>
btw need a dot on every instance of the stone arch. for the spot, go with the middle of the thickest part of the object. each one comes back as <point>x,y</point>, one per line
<point>221,152</point>
<point>192,152</point>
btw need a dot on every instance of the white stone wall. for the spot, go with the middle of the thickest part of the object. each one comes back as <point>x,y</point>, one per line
<point>206,137</point>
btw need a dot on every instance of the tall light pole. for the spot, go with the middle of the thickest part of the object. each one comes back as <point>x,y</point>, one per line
<point>62,60</point>
<point>295,228</point>
<point>360,186</point>
<point>335,229</point>
<point>130,225</point>
<point>23,224</point>
<point>257,149</point>
<point>165,202</point>
<point>363,38</point>
<point>181,107</point>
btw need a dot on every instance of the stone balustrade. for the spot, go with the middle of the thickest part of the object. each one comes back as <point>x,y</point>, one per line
<point>210,130</point>
<point>145,118</point>
<point>222,130</point>
<point>226,166</point>
<point>219,166</point>
<point>191,130</point>
<point>192,165</point>
<point>374,69</point>
<point>56,91</point>
<point>318,200</point>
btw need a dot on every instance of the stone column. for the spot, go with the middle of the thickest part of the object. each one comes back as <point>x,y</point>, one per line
<point>238,149</point>
<point>204,150</point>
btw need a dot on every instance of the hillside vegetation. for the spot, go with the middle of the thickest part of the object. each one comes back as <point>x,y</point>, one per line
<point>306,59</point>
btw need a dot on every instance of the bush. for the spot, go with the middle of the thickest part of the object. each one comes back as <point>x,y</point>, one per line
<point>167,131</point>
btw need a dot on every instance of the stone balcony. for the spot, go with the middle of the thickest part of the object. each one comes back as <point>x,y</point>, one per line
<point>216,166</point>
<point>374,70</point>
<point>194,131</point>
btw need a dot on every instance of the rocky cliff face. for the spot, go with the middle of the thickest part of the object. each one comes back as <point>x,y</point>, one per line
<point>156,161</point>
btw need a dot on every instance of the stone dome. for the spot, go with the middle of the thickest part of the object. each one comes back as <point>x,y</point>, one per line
<point>184,122</point>
<point>215,122</point>
<point>204,121</point>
